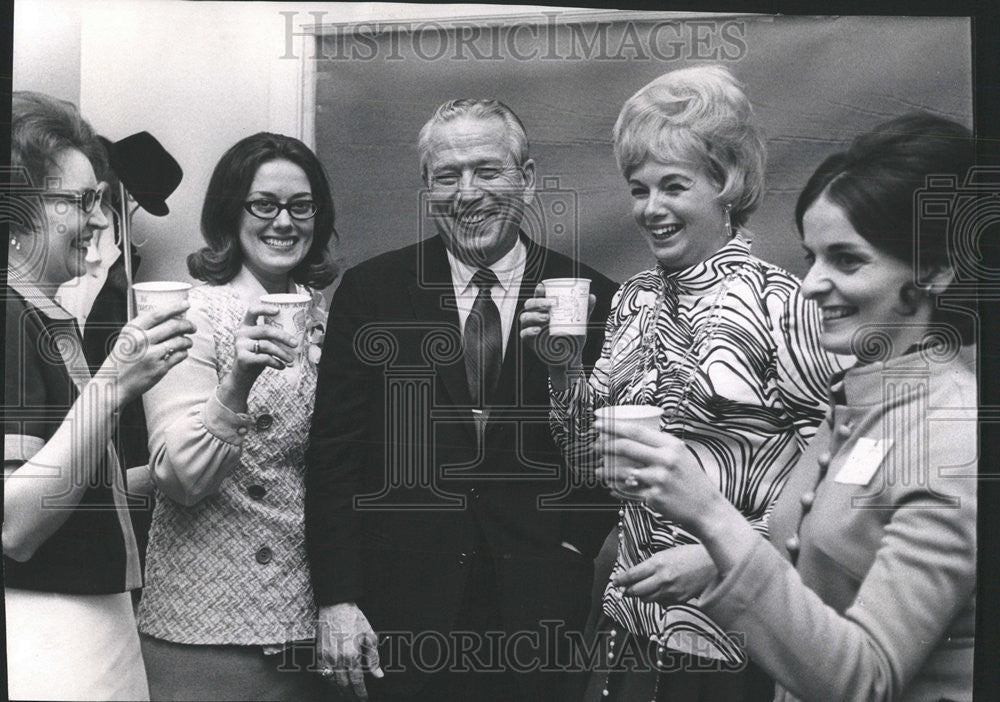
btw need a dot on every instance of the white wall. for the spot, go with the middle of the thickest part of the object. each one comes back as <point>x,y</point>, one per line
<point>194,75</point>
<point>198,76</point>
<point>47,47</point>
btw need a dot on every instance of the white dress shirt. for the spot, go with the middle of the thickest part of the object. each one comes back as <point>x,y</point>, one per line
<point>509,271</point>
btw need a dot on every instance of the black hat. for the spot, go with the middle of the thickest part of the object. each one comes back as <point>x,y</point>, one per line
<point>148,170</point>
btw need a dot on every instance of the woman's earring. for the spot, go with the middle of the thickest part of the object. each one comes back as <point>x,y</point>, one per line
<point>729,221</point>
<point>15,242</point>
<point>910,296</point>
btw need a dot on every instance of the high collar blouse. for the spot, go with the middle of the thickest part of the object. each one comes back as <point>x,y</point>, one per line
<point>733,358</point>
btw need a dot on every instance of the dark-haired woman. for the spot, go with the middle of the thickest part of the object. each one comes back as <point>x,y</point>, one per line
<point>867,589</point>
<point>228,611</point>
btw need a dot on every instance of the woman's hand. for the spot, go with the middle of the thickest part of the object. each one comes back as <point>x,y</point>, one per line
<point>673,576</point>
<point>668,479</point>
<point>562,354</point>
<point>148,347</point>
<point>257,346</point>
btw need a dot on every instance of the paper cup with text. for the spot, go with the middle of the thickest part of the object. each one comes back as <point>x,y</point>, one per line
<point>568,314</point>
<point>293,311</point>
<point>159,294</point>
<point>641,415</point>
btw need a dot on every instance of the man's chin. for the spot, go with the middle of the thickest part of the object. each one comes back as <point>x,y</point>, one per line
<point>478,247</point>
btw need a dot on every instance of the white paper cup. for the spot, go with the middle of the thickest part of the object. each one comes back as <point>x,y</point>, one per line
<point>642,415</point>
<point>568,314</point>
<point>293,311</point>
<point>159,294</point>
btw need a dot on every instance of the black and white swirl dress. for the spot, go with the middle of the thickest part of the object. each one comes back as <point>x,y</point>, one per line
<point>746,403</point>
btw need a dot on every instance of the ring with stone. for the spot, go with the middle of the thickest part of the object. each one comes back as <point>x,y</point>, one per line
<point>256,345</point>
<point>630,480</point>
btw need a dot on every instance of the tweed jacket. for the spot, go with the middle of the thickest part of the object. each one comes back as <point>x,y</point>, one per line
<point>226,562</point>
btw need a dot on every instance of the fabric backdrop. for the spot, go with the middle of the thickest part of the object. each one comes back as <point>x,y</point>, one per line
<point>815,83</point>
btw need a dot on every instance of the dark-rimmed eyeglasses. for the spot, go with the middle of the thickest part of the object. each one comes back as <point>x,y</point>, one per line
<point>269,209</point>
<point>87,199</point>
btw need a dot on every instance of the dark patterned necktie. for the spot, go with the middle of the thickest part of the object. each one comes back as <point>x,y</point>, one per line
<point>483,338</point>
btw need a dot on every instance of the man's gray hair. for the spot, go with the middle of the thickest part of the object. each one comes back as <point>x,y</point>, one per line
<point>475,109</point>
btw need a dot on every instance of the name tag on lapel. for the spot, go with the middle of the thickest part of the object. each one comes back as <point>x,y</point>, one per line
<point>864,461</point>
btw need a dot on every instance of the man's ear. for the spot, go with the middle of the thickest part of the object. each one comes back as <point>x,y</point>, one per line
<point>936,279</point>
<point>528,172</point>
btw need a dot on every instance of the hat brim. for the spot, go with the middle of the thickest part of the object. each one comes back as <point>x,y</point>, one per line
<point>141,162</point>
<point>153,207</point>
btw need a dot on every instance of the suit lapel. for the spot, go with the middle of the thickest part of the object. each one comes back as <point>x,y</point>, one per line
<point>513,378</point>
<point>433,299</point>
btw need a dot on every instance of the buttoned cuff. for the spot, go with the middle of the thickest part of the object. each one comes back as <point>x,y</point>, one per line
<point>223,423</point>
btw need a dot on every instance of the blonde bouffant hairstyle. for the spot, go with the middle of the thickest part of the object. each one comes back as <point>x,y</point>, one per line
<point>698,115</point>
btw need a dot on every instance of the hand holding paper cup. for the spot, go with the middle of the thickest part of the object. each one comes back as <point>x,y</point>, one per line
<point>643,415</point>
<point>293,310</point>
<point>568,313</point>
<point>160,294</point>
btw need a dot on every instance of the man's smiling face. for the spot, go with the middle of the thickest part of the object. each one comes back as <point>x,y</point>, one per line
<point>478,190</point>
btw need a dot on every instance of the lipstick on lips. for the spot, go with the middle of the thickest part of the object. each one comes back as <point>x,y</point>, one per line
<point>664,231</point>
<point>280,243</point>
<point>834,312</point>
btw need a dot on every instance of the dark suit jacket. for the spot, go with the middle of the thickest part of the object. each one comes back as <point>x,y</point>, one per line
<point>400,492</point>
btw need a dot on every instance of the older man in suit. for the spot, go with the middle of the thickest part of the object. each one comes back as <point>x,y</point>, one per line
<point>439,513</point>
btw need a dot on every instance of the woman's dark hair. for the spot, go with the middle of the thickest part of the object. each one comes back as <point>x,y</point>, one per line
<point>220,261</point>
<point>875,182</point>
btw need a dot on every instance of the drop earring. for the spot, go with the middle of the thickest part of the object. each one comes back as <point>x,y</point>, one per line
<point>728,220</point>
<point>16,243</point>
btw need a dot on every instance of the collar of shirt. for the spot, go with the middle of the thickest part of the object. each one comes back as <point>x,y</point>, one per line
<point>33,294</point>
<point>702,276</point>
<point>509,271</point>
